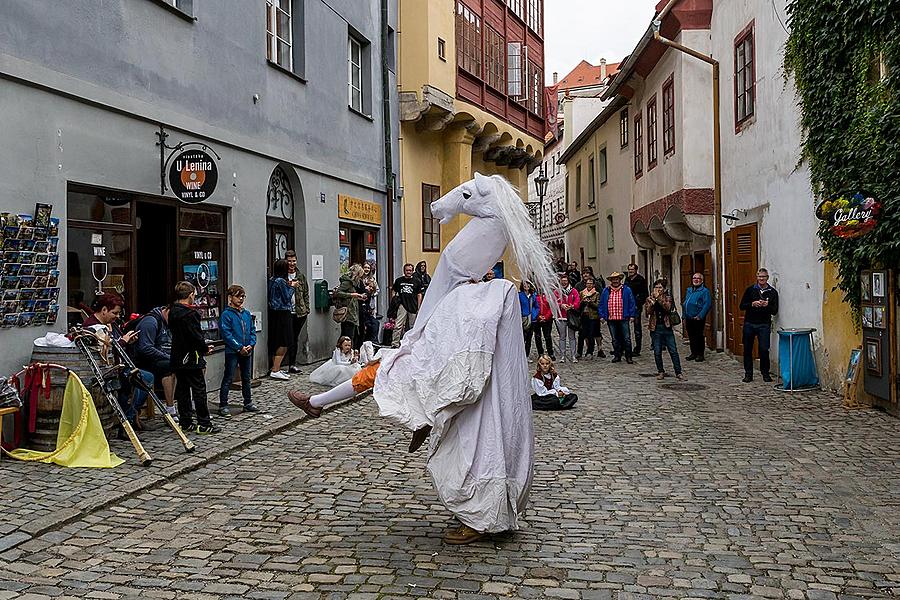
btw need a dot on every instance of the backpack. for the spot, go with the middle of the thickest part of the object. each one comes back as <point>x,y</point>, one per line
<point>132,325</point>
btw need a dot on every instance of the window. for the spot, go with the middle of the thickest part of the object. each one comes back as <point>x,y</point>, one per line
<point>638,146</point>
<point>515,87</point>
<point>668,98</point>
<point>354,67</point>
<point>278,33</point>
<point>651,133</point>
<point>590,181</point>
<point>744,77</point>
<point>603,174</point>
<point>592,241</point>
<point>610,234</point>
<point>534,16</point>
<point>442,49</point>
<point>494,66</point>
<point>535,97</point>
<point>578,187</point>
<point>623,128</point>
<point>431,227</point>
<point>567,193</point>
<point>182,6</point>
<point>468,39</point>
<point>517,7</point>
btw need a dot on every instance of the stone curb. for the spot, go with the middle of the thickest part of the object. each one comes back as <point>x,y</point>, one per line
<point>192,462</point>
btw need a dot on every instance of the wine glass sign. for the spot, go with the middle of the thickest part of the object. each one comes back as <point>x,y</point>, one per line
<point>99,271</point>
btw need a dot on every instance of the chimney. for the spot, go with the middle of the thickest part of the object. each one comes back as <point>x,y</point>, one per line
<point>602,70</point>
<point>555,77</point>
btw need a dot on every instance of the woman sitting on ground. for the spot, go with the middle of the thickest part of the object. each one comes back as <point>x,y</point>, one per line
<point>549,393</point>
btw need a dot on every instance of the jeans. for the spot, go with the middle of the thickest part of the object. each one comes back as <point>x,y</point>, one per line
<point>131,397</point>
<point>532,332</point>
<point>620,334</point>
<point>763,331</point>
<point>298,323</point>
<point>403,323</point>
<point>190,394</point>
<point>666,338</point>
<point>696,334</point>
<point>232,361</point>
<point>566,338</point>
<point>589,329</point>
<point>544,329</point>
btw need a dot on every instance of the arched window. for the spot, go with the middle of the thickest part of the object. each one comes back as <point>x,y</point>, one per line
<point>279,215</point>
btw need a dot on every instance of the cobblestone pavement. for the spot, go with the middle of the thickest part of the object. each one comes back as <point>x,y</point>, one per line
<point>644,490</point>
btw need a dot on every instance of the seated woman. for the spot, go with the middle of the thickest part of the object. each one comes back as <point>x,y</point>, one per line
<point>549,393</point>
<point>344,364</point>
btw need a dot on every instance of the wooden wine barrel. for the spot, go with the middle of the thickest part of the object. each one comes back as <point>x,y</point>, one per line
<point>49,409</point>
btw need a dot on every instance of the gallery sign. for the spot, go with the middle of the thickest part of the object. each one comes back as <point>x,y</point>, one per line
<point>849,216</point>
<point>193,176</point>
<point>355,209</point>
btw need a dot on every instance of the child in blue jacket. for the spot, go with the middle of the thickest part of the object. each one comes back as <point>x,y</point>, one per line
<point>239,334</point>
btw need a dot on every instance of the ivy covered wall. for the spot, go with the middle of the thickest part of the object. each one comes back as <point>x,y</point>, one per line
<point>844,56</point>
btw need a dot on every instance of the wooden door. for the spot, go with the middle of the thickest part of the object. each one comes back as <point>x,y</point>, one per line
<point>686,271</point>
<point>280,239</point>
<point>741,264</point>
<point>703,264</point>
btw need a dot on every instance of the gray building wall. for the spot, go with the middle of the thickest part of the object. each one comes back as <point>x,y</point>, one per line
<point>85,85</point>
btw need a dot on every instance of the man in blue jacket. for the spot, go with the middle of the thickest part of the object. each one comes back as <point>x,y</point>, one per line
<point>696,305</point>
<point>617,307</point>
<point>153,349</point>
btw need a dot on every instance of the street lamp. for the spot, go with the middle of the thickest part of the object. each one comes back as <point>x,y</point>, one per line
<point>536,209</point>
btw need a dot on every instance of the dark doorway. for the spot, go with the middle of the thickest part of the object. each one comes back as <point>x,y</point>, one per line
<point>155,256</point>
<point>357,247</point>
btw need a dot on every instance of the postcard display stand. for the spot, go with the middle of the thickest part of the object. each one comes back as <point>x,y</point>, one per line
<point>30,277</point>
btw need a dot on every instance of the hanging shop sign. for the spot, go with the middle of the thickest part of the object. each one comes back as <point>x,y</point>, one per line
<point>193,175</point>
<point>850,216</point>
<point>354,209</point>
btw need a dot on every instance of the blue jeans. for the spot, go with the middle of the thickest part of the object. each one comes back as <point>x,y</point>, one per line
<point>665,338</point>
<point>620,334</point>
<point>131,397</point>
<point>232,361</point>
<point>763,332</point>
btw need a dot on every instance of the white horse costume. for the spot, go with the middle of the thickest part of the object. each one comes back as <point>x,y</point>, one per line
<point>462,368</point>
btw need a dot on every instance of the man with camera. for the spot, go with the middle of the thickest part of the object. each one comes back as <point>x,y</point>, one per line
<point>760,304</point>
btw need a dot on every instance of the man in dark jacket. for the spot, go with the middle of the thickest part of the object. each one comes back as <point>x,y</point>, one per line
<point>760,304</point>
<point>573,274</point>
<point>637,283</point>
<point>153,351</point>
<point>188,349</point>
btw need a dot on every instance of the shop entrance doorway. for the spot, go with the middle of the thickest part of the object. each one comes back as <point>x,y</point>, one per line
<point>357,245</point>
<point>700,262</point>
<point>156,226</point>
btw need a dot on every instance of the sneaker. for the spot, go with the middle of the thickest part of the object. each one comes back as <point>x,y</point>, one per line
<point>616,359</point>
<point>294,369</point>
<point>189,428</point>
<point>562,360</point>
<point>279,375</point>
<point>767,377</point>
<point>747,378</point>
<point>250,408</point>
<point>699,359</point>
<point>224,411</point>
<point>680,377</point>
<point>207,429</point>
<point>172,411</point>
<point>660,376</point>
<point>690,357</point>
<point>574,360</point>
<point>629,361</point>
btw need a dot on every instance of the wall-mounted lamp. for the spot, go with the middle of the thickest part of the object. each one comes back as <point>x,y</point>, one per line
<point>731,218</point>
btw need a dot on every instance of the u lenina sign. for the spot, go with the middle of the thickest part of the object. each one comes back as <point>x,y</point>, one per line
<point>193,176</point>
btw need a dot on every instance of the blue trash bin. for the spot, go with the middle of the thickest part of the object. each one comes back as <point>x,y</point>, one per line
<point>796,360</point>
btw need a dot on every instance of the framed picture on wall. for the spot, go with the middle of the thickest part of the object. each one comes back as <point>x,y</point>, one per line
<point>878,317</point>
<point>867,316</point>
<point>873,356</point>
<point>878,284</point>
<point>865,284</point>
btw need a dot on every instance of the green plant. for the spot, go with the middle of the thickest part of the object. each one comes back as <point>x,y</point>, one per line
<point>844,57</point>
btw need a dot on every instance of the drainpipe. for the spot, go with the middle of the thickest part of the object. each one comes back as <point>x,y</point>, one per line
<point>388,138</point>
<point>717,167</point>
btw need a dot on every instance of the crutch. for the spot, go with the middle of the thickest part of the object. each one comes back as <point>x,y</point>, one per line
<point>105,381</point>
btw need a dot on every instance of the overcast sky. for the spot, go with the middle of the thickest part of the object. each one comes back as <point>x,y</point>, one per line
<point>591,30</point>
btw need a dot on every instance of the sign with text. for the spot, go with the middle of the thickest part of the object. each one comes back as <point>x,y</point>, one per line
<point>355,209</point>
<point>193,176</point>
<point>850,216</point>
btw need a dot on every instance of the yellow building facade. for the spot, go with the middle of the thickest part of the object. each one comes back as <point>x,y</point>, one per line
<point>446,132</point>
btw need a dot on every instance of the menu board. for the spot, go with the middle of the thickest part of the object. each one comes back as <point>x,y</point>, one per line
<point>29,282</point>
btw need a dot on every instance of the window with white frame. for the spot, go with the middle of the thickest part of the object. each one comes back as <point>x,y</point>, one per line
<point>516,89</point>
<point>534,15</point>
<point>604,176</point>
<point>535,88</point>
<point>468,39</point>
<point>623,128</point>
<point>493,57</point>
<point>279,33</point>
<point>185,6</point>
<point>354,76</point>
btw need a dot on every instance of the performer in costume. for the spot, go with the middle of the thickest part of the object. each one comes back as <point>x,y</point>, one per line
<point>461,369</point>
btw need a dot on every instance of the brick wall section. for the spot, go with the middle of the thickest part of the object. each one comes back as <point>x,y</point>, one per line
<point>695,201</point>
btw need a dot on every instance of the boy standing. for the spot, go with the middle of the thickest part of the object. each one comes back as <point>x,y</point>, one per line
<point>188,350</point>
<point>239,334</point>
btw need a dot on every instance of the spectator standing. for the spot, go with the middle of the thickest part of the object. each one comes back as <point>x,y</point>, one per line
<point>568,299</point>
<point>760,304</point>
<point>301,308</point>
<point>617,307</point>
<point>573,274</point>
<point>369,319</point>
<point>640,290</point>
<point>239,335</point>
<point>349,292</point>
<point>188,349</point>
<point>409,290</point>
<point>544,325</point>
<point>421,273</point>
<point>153,351</point>
<point>530,310</point>
<point>658,307</point>
<point>696,305</point>
<point>590,299</point>
<point>281,310</point>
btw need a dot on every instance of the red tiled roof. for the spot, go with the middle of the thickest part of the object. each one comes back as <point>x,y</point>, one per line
<point>585,74</point>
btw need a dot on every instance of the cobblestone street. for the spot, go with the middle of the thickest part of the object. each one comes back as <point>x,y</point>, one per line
<point>709,489</point>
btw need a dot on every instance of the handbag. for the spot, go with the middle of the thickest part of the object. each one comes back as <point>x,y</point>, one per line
<point>573,319</point>
<point>340,314</point>
<point>674,318</point>
<point>526,324</point>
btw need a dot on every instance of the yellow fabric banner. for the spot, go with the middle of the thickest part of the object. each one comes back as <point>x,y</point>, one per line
<point>80,441</point>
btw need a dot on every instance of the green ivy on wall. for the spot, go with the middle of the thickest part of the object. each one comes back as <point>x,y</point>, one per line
<point>844,56</point>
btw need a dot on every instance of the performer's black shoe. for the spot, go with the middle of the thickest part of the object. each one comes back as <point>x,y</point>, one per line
<point>419,437</point>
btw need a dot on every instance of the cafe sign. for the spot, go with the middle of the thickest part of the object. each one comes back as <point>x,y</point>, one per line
<point>193,175</point>
<point>354,209</point>
<point>849,216</point>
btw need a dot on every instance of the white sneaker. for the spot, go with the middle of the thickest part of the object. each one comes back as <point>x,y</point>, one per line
<point>574,360</point>
<point>562,360</point>
<point>279,375</point>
